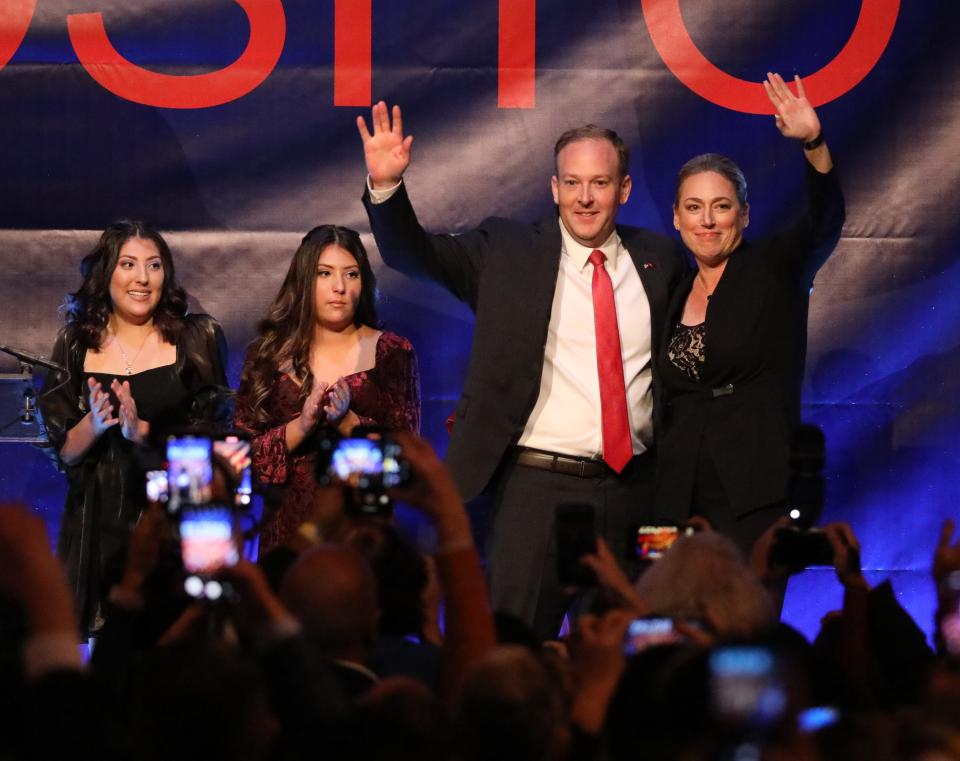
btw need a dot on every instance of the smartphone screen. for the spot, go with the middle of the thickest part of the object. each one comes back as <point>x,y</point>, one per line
<point>235,452</point>
<point>189,471</point>
<point>207,540</point>
<point>746,688</point>
<point>575,537</point>
<point>396,470</point>
<point>358,463</point>
<point>157,485</point>
<point>651,631</point>
<point>650,542</point>
<point>815,718</point>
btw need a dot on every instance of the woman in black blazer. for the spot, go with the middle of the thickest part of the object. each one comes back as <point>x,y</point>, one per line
<point>732,360</point>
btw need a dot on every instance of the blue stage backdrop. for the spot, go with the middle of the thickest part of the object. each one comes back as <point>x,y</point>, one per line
<point>230,125</point>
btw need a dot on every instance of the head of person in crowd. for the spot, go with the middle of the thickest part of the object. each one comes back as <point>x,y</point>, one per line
<point>704,577</point>
<point>401,575</point>
<point>329,284</point>
<point>200,699</point>
<point>512,706</point>
<point>942,696</point>
<point>686,701</point>
<point>128,275</point>
<point>661,706</point>
<point>331,590</point>
<point>591,182</point>
<point>710,208</point>
<point>400,719</point>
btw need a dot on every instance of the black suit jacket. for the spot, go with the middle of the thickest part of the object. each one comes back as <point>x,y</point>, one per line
<point>506,271</point>
<point>747,402</point>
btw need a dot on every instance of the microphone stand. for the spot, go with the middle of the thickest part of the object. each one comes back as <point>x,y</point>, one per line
<point>18,394</point>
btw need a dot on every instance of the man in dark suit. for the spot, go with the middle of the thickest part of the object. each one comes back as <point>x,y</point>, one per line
<point>558,404</point>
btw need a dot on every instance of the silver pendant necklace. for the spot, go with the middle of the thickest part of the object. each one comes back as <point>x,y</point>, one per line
<point>123,354</point>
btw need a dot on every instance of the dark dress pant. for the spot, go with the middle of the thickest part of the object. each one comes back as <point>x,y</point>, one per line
<point>522,554</point>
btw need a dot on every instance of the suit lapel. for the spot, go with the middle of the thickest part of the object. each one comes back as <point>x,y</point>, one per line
<point>735,308</point>
<point>545,267</point>
<point>654,284</point>
<point>646,266</point>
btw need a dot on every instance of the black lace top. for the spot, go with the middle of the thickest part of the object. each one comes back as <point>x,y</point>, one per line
<point>687,349</point>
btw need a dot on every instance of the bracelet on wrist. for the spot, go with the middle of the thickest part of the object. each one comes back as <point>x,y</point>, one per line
<point>815,143</point>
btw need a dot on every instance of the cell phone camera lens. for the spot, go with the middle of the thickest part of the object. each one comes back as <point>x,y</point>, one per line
<point>213,590</point>
<point>193,585</point>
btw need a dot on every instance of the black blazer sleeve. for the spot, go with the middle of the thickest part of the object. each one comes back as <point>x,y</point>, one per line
<point>454,261</point>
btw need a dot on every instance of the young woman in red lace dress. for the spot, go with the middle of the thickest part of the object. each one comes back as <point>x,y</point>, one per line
<point>320,362</point>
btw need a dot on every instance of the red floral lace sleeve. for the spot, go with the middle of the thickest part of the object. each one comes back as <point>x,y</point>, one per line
<point>271,459</point>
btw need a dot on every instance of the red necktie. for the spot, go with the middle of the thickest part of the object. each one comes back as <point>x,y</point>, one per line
<point>617,444</point>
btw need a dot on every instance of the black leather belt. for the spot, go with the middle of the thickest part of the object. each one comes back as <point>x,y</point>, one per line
<point>568,465</point>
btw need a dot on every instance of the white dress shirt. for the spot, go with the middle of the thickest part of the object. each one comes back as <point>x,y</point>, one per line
<point>566,417</point>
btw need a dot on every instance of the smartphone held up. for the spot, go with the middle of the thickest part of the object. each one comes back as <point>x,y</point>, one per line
<point>366,465</point>
<point>206,486</point>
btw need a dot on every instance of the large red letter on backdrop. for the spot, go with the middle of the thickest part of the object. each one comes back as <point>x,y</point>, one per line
<point>352,52</point>
<point>678,51</point>
<point>268,27</point>
<point>517,57</point>
<point>15,16</point>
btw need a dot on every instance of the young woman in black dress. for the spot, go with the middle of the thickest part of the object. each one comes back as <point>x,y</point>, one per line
<point>134,357</point>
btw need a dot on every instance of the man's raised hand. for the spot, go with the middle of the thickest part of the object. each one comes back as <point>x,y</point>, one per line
<point>387,151</point>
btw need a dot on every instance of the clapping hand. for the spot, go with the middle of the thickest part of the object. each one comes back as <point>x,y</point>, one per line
<point>387,151</point>
<point>795,117</point>
<point>312,405</point>
<point>132,427</point>
<point>337,402</point>
<point>101,410</point>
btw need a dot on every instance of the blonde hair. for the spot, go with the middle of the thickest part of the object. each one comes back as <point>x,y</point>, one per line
<point>704,576</point>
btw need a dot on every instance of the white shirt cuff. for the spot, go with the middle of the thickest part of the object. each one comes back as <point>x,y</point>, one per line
<point>379,196</point>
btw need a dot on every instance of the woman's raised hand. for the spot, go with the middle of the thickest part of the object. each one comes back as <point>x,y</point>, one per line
<point>795,117</point>
<point>387,151</point>
<point>101,410</point>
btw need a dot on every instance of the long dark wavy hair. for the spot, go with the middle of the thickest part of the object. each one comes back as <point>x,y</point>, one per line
<point>287,332</point>
<point>88,310</point>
